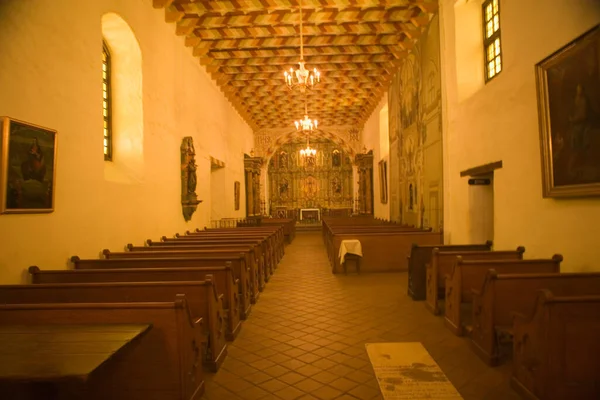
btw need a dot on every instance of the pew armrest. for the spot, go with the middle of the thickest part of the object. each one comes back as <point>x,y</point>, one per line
<point>475,292</point>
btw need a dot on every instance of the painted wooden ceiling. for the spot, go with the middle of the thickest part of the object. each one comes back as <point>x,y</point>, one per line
<point>246,45</point>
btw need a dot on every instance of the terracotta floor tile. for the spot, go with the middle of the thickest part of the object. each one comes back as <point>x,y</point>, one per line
<point>305,337</point>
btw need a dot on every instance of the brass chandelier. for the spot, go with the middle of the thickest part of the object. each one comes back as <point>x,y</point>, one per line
<point>301,78</point>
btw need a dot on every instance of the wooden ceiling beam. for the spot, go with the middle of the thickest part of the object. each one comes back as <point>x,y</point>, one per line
<point>357,61</point>
<point>231,33</point>
<point>277,79</point>
<point>204,47</point>
<point>348,69</point>
<point>294,52</point>
<point>227,6</point>
<point>241,18</point>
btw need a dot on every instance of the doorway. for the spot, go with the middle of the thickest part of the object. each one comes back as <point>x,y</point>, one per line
<point>481,208</point>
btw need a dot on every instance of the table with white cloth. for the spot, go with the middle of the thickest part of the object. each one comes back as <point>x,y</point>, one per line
<point>350,247</point>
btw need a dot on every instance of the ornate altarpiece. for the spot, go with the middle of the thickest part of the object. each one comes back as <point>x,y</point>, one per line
<point>322,181</point>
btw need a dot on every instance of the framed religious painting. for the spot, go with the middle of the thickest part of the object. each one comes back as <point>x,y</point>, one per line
<point>28,159</point>
<point>569,118</point>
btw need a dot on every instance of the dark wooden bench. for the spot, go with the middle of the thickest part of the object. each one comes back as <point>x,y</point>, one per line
<point>289,226</point>
<point>201,296</point>
<point>383,251</point>
<point>257,280</point>
<point>240,270</point>
<point>467,275</point>
<point>420,256</point>
<point>271,241</point>
<point>164,364</point>
<point>442,263</point>
<point>556,348</point>
<point>504,294</point>
<point>258,247</point>
<point>224,280</point>
<point>273,234</point>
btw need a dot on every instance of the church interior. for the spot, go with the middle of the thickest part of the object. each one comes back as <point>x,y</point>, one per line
<point>299,199</point>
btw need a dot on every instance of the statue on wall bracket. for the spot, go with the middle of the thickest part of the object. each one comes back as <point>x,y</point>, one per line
<point>189,199</point>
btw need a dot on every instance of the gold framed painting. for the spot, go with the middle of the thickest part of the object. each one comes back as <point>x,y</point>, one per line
<point>569,118</point>
<point>28,159</point>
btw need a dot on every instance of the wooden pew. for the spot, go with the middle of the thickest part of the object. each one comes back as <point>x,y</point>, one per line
<point>201,297</point>
<point>385,251</point>
<point>258,247</point>
<point>289,226</point>
<point>441,265</point>
<point>556,348</point>
<point>420,256</point>
<point>241,271</point>
<point>274,234</point>
<point>271,245</point>
<point>467,275</point>
<point>272,251</point>
<point>504,294</point>
<point>224,281</point>
<point>162,365</point>
<point>257,280</point>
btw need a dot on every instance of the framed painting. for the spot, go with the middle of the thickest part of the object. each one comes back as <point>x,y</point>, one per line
<point>569,117</point>
<point>28,159</point>
<point>383,190</point>
<point>236,195</point>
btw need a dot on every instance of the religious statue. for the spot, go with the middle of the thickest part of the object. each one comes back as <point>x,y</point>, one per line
<point>189,199</point>
<point>336,158</point>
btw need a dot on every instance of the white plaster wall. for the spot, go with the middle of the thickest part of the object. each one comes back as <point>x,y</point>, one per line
<point>50,75</point>
<point>499,121</point>
<point>371,138</point>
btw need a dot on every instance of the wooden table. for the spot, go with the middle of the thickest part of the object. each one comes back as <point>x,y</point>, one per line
<point>51,353</point>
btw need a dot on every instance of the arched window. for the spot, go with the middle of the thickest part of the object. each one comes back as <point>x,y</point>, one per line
<point>125,105</point>
<point>106,102</point>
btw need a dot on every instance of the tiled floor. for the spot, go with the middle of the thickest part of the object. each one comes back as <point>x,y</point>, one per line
<point>305,337</point>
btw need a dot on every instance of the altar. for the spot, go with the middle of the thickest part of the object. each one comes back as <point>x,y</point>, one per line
<point>310,213</point>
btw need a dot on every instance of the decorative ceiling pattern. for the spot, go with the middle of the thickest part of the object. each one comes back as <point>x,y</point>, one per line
<point>246,45</point>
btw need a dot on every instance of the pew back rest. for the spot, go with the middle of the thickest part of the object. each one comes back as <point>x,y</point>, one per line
<point>421,254</point>
<point>516,293</point>
<point>560,336</point>
<point>201,295</point>
<point>165,359</point>
<point>473,272</point>
<point>443,261</point>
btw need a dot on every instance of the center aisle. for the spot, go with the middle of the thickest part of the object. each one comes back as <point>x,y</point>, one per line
<point>305,338</point>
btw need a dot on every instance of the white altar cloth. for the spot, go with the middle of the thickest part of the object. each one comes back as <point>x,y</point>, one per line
<point>350,246</point>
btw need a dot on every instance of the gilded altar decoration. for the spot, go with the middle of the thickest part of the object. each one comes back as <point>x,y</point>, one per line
<point>310,187</point>
<point>189,199</point>
<point>322,181</point>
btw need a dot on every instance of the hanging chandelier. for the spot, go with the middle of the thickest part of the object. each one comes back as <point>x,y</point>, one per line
<point>308,151</point>
<point>301,78</point>
<point>306,124</point>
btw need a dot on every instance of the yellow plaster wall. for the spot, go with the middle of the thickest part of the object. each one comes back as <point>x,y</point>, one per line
<point>50,75</point>
<point>484,123</point>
